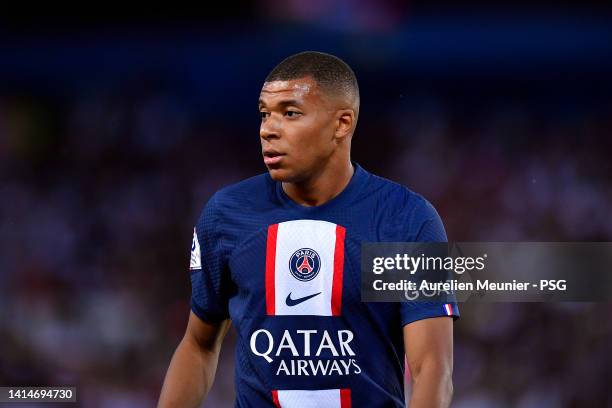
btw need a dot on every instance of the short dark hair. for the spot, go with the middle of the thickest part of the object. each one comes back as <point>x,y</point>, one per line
<point>330,72</point>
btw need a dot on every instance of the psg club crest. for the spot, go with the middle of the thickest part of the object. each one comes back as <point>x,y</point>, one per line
<point>305,264</point>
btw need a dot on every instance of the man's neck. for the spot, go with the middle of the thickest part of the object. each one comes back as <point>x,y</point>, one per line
<point>322,187</point>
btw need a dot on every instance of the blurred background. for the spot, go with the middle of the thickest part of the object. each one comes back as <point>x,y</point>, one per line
<point>114,132</point>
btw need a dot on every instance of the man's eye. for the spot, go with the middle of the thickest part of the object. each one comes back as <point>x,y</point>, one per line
<point>292,114</point>
<point>263,114</point>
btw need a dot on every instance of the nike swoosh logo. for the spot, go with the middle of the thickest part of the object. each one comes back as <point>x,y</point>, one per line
<point>294,302</point>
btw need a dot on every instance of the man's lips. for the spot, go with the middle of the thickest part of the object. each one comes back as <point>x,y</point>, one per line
<point>272,157</point>
<point>272,160</point>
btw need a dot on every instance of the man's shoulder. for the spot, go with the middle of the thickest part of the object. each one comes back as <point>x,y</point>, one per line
<point>406,210</point>
<point>396,196</point>
<point>248,187</point>
<point>246,194</point>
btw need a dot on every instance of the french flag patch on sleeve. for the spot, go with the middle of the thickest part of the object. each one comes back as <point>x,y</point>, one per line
<point>448,309</point>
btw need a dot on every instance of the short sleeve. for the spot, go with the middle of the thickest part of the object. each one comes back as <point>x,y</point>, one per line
<point>208,267</point>
<point>431,230</point>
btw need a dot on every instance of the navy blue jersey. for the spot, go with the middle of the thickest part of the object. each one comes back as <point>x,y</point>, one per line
<point>288,277</point>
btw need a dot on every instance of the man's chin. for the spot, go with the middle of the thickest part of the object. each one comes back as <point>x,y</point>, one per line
<point>281,175</point>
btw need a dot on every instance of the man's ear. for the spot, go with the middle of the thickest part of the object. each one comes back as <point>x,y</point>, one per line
<point>345,123</point>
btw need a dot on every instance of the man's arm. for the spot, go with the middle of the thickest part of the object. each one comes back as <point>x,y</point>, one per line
<point>429,350</point>
<point>193,366</point>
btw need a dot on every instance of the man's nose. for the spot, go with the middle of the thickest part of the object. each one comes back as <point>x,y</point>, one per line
<point>269,129</point>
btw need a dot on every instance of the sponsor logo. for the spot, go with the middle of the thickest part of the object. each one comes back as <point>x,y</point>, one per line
<point>293,302</point>
<point>307,352</point>
<point>305,264</point>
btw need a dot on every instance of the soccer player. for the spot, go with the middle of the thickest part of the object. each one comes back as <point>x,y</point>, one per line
<point>278,256</point>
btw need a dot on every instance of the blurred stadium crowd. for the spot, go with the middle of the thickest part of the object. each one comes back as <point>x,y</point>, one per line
<point>101,183</point>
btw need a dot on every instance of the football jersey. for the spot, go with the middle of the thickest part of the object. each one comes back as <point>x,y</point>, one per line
<point>289,278</point>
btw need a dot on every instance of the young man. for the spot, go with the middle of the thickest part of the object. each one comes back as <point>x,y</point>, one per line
<point>279,256</point>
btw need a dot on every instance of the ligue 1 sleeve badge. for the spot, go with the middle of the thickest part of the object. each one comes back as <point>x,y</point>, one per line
<point>305,264</point>
<point>196,259</point>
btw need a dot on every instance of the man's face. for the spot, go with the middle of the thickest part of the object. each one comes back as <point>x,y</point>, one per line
<point>297,128</point>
